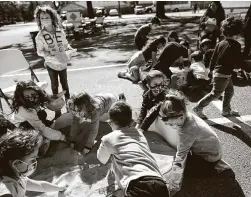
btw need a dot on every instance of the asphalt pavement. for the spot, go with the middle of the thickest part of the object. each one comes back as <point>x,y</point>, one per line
<point>236,142</point>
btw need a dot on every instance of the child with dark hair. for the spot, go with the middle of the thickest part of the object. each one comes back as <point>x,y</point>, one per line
<point>88,111</point>
<point>28,105</point>
<point>198,73</point>
<point>171,55</point>
<point>5,125</point>
<point>52,44</point>
<point>173,37</point>
<point>140,58</point>
<point>140,38</point>
<point>199,149</point>
<point>18,160</point>
<point>135,168</point>
<point>227,55</point>
<point>156,83</point>
<point>206,49</point>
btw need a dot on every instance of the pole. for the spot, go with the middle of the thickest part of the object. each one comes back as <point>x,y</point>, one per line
<point>119,10</point>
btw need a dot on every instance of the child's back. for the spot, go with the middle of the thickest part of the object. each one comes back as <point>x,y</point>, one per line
<point>199,70</point>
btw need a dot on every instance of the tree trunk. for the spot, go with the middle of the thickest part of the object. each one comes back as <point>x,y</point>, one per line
<point>160,9</point>
<point>90,9</point>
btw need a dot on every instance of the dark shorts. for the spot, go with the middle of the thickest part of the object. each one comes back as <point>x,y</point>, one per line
<point>147,186</point>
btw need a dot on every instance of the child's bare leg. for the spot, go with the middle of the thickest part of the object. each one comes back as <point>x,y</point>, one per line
<point>135,73</point>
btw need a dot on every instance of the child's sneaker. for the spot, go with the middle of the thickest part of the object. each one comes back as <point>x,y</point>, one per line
<point>230,113</point>
<point>122,97</point>
<point>198,111</point>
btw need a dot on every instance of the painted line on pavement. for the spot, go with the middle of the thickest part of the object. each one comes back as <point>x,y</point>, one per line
<point>68,70</point>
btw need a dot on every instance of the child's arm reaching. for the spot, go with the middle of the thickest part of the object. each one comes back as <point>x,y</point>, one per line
<point>43,186</point>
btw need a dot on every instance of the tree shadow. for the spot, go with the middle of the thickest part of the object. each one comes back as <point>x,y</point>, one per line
<point>238,130</point>
<point>219,186</point>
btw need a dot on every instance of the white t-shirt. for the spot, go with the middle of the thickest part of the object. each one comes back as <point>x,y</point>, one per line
<point>11,186</point>
<point>199,70</point>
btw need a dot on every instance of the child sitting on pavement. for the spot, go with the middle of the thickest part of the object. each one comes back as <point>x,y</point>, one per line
<point>135,169</point>
<point>140,58</point>
<point>198,73</point>
<point>198,146</point>
<point>140,37</point>
<point>173,37</point>
<point>157,83</point>
<point>227,55</point>
<point>207,51</point>
<point>18,153</point>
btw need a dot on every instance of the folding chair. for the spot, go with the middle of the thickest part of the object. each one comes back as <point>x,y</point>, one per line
<point>12,61</point>
<point>100,23</point>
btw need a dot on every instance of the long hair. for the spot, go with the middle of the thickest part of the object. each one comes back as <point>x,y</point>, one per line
<point>53,14</point>
<point>19,100</point>
<point>219,14</point>
<point>155,42</point>
<point>90,104</point>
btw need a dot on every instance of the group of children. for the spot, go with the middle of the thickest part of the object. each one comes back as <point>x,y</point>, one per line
<point>163,111</point>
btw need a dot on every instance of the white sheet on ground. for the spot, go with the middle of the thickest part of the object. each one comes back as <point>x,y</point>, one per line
<point>85,176</point>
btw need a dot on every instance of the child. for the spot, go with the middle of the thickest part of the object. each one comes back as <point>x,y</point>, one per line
<point>5,125</point>
<point>53,46</point>
<point>28,103</point>
<point>206,49</point>
<point>226,56</point>
<point>88,110</point>
<point>171,55</point>
<point>134,167</point>
<point>149,52</point>
<point>198,74</point>
<point>18,153</point>
<point>156,83</point>
<point>194,135</point>
<point>173,37</point>
<point>140,37</point>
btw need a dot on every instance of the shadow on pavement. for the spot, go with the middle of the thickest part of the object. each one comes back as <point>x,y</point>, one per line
<point>239,132</point>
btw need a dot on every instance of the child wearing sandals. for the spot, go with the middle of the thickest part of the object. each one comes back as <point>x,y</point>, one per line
<point>87,111</point>
<point>140,58</point>
<point>18,153</point>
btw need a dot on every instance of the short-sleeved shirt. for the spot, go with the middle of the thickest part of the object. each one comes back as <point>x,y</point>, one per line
<point>13,187</point>
<point>147,51</point>
<point>143,31</point>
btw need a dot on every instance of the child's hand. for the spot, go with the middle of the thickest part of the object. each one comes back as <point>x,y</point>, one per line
<point>63,189</point>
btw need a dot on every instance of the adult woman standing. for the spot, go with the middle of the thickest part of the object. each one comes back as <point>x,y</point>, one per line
<point>211,20</point>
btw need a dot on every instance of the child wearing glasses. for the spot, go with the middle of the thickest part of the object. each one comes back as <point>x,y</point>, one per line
<point>195,140</point>
<point>87,111</point>
<point>133,164</point>
<point>18,153</point>
<point>157,83</point>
